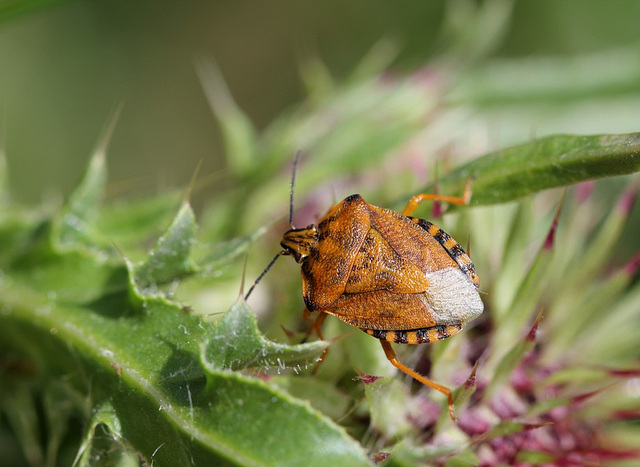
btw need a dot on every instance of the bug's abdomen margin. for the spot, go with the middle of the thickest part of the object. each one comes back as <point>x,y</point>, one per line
<point>417,336</point>
<point>453,249</point>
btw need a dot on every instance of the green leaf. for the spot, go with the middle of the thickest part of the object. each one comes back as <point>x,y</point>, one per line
<point>592,257</point>
<point>146,367</point>
<point>387,399</point>
<point>377,60</point>
<point>407,454</point>
<point>224,252</point>
<point>527,297</point>
<point>104,440</point>
<point>621,316</point>
<point>550,162</point>
<point>236,343</point>
<point>267,427</point>
<point>19,406</point>
<point>239,134</point>
<point>511,359</point>
<point>126,222</point>
<point>463,459</point>
<point>322,395</point>
<point>69,313</point>
<point>61,403</point>
<point>76,224</point>
<point>463,393</point>
<point>169,259</point>
<point>511,271</point>
<point>591,307</point>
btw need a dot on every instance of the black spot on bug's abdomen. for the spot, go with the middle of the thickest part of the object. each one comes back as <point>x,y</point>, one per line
<point>416,336</point>
<point>453,249</point>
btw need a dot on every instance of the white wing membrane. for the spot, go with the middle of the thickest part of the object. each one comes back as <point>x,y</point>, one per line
<point>452,297</point>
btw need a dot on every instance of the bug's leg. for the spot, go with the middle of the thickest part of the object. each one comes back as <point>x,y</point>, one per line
<point>459,200</point>
<point>391,356</point>
<point>306,315</point>
<point>317,327</point>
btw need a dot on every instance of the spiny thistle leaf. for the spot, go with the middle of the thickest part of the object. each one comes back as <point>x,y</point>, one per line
<point>69,315</point>
<point>256,421</point>
<point>77,218</point>
<point>76,224</point>
<point>169,259</point>
<point>236,343</point>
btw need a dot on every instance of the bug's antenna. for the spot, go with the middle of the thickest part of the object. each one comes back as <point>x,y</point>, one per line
<point>294,170</point>
<point>275,258</point>
<point>280,253</point>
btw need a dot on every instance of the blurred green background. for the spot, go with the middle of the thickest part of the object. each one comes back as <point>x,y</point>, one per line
<point>65,66</point>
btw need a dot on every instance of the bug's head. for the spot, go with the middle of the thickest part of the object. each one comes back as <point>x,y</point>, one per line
<point>299,243</point>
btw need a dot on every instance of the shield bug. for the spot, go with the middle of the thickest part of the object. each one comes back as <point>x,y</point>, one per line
<point>398,278</point>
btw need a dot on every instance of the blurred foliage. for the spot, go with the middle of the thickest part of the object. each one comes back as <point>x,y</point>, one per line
<point>66,64</point>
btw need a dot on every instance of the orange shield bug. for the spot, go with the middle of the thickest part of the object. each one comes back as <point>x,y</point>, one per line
<point>398,278</point>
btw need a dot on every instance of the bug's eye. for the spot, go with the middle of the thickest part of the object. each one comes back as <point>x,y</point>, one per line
<point>297,256</point>
<point>296,250</point>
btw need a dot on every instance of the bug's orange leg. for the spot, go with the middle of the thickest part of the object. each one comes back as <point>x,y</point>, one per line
<point>317,327</point>
<point>306,315</point>
<point>458,200</point>
<point>391,356</point>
